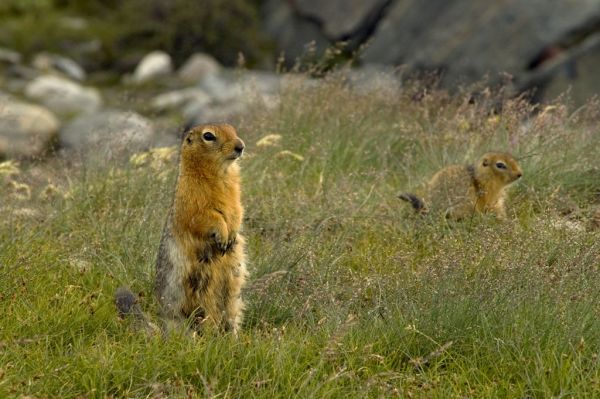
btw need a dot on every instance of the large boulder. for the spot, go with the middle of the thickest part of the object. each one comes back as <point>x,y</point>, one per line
<point>468,39</point>
<point>340,19</point>
<point>107,133</point>
<point>463,40</point>
<point>303,29</point>
<point>295,37</point>
<point>575,71</point>
<point>26,130</point>
<point>154,65</point>
<point>62,95</point>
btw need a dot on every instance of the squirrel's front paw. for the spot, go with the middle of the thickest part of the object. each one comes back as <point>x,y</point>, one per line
<point>231,241</point>
<point>220,239</point>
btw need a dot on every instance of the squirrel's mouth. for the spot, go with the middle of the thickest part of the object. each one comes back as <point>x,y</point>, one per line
<point>234,156</point>
<point>236,153</point>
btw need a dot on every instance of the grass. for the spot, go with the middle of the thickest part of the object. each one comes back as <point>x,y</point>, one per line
<point>374,302</point>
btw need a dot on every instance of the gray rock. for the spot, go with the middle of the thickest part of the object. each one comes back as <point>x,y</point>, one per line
<point>53,62</point>
<point>295,37</point>
<point>196,114</point>
<point>108,133</point>
<point>228,86</point>
<point>340,19</point>
<point>154,65</point>
<point>463,40</point>
<point>232,94</point>
<point>14,85</point>
<point>26,130</point>
<point>19,71</point>
<point>180,98</point>
<point>467,39</point>
<point>221,87</point>
<point>575,71</point>
<point>197,67</point>
<point>62,95</point>
<point>373,78</point>
<point>8,56</point>
<point>261,81</point>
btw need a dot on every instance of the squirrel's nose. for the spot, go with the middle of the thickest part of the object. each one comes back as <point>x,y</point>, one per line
<point>239,147</point>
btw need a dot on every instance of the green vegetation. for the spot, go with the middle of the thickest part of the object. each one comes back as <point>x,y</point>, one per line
<point>105,34</point>
<point>376,302</point>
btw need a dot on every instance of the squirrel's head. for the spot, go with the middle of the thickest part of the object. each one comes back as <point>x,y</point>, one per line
<point>501,165</point>
<point>211,145</point>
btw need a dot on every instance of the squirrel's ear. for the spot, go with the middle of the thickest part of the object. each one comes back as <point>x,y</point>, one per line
<point>485,162</point>
<point>188,139</point>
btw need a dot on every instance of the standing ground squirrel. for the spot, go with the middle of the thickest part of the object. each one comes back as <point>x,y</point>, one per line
<point>459,191</point>
<point>200,268</point>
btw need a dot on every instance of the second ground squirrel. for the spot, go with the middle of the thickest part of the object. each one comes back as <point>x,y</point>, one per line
<point>200,268</point>
<point>459,191</point>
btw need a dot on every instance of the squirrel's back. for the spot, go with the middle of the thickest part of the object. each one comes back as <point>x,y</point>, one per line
<point>449,187</point>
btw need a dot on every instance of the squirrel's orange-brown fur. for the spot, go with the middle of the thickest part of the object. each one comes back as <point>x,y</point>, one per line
<point>459,191</point>
<point>201,259</point>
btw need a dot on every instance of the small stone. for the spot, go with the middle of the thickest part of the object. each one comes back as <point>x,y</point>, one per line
<point>54,62</point>
<point>179,98</point>
<point>8,56</point>
<point>108,132</point>
<point>26,130</point>
<point>197,67</point>
<point>223,88</point>
<point>154,65</point>
<point>62,95</point>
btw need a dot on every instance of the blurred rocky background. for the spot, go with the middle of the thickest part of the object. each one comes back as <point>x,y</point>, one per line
<point>549,45</point>
<point>97,76</point>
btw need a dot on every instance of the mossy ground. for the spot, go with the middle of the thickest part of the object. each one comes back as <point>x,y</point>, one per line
<point>374,301</point>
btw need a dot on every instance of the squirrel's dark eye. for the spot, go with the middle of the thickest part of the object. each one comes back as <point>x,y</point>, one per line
<point>500,165</point>
<point>189,140</point>
<point>208,136</point>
